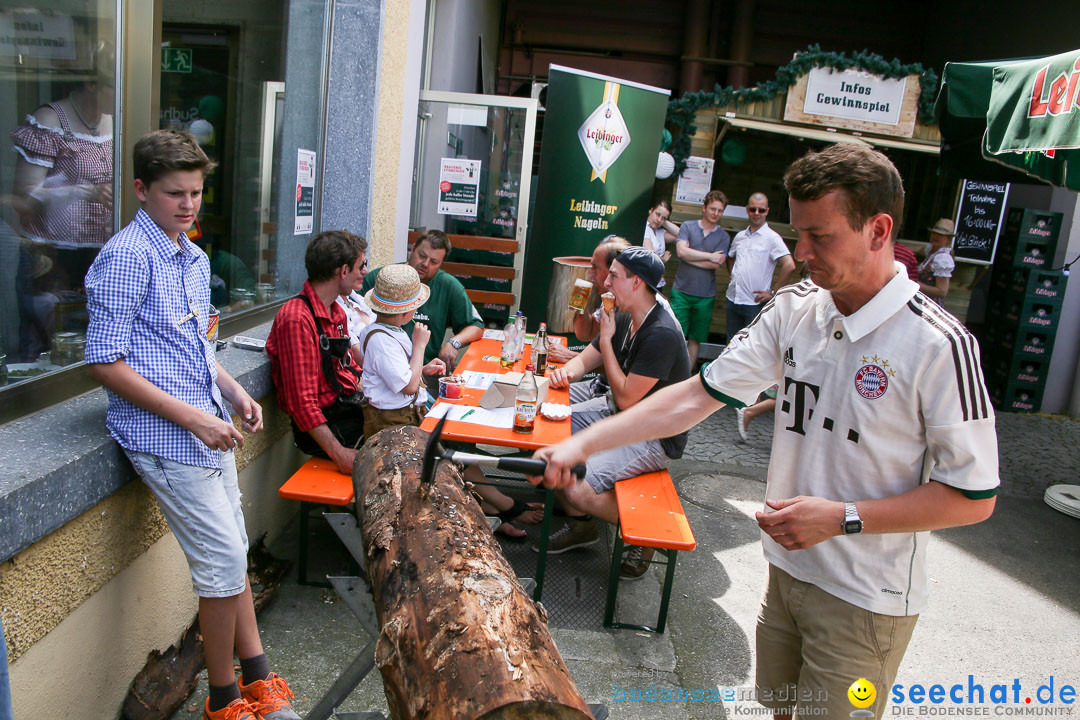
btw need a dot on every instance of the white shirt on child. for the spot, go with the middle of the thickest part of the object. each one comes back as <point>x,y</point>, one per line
<point>386,366</point>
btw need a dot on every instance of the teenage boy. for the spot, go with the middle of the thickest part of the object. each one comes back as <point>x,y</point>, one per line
<point>148,296</point>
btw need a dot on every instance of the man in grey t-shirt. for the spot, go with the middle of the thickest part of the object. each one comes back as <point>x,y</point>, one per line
<point>702,248</point>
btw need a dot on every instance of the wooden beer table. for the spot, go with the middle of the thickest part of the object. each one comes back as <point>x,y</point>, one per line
<point>483,356</point>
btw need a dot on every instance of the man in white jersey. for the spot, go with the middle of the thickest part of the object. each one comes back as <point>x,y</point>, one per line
<point>883,432</point>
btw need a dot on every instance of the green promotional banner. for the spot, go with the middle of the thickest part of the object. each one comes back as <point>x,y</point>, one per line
<point>597,167</point>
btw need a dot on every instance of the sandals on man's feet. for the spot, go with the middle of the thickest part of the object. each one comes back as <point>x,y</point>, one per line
<point>517,509</point>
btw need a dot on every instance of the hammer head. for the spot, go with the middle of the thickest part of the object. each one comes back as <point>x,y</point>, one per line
<point>433,452</point>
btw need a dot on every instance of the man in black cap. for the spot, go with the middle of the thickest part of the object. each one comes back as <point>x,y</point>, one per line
<point>641,350</point>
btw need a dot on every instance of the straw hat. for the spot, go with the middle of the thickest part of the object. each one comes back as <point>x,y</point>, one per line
<point>944,226</point>
<point>397,290</point>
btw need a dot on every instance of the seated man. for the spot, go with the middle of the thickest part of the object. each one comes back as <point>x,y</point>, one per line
<point>316,378</point>
<point>587,325</point>
<point>447,306</point>
<point>641,350</point>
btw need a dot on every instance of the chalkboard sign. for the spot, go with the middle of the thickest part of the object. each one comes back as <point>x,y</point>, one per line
<point>979,220</point>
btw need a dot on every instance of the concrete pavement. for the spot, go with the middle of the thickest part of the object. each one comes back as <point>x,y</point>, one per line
<point>1004,595</point>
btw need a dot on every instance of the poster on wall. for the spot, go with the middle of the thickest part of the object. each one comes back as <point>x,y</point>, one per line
<point>597,168</point>
<point>459,186</point>
<point>695,181</point>
<point>305,192</point>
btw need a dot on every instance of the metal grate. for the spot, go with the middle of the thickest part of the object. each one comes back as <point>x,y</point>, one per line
<point>575,584</point>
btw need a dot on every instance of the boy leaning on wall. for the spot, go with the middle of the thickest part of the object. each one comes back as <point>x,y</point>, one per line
<point>148,296</point>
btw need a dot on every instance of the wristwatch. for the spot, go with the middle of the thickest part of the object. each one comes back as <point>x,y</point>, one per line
<point>455,344</point>
<point>852,524</point>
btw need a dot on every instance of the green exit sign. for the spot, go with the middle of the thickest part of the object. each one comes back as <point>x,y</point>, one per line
<point>176,60</point>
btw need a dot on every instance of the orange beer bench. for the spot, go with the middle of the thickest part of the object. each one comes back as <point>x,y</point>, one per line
<point>650,515</point>
<point>317,482</point>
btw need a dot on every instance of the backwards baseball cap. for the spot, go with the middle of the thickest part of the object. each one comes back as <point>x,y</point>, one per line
<point>644,263</point>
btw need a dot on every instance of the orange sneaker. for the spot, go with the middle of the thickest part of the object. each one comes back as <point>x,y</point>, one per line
<point>236,710</point>
<point>270,698</point>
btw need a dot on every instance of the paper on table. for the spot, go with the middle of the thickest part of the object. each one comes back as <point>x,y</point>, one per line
<point>499,418</point>
<point>480,380</point>
<point>494,335</point>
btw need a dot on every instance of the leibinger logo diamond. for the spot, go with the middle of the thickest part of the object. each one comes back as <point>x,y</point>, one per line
<point>603,135</point>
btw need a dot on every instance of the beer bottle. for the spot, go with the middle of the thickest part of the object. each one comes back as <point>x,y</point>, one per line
<point>525,402</point>
<point>540,350</point>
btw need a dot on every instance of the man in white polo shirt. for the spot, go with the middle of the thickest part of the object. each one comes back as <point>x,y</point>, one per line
<point>883,432</point>
<point>751,260</point>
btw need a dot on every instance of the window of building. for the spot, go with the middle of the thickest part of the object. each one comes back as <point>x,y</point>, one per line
<point>246,78</point>
<point>57,185</point>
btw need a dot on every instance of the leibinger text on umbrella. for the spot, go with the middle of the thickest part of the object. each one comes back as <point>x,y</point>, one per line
<point>1060,98</point>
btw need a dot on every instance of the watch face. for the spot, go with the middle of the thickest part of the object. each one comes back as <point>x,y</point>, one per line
<point>851,527</point>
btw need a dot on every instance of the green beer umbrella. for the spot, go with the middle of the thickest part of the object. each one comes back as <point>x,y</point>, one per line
<point>1022,114</point>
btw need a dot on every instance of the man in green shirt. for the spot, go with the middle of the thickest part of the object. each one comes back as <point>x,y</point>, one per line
<point>448,304</point>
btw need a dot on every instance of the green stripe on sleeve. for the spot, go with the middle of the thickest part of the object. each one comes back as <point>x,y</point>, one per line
<point>970,494</point>
<point>716,394</point>
<point>978,494</point>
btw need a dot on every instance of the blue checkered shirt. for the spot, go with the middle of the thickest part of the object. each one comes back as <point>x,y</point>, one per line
<point>139,289</point>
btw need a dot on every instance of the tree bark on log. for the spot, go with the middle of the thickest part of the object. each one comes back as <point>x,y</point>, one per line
<point>460,637</point>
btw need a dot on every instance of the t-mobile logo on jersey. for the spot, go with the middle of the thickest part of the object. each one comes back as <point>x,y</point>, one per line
<point>801,407</point>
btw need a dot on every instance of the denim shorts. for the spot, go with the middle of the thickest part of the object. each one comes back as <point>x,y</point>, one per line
<point>607,467</point>
<point>203,508</point>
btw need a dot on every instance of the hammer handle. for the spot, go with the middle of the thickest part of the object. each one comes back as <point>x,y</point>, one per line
<point>532,466</point>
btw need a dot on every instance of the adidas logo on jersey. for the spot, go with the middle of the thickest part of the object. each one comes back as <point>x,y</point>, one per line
<point>789,358</point>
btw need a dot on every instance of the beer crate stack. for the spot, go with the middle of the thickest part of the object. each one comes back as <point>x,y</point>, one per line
<point>1025,301</point>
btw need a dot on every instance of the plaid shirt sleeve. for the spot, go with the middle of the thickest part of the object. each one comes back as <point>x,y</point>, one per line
<point>297,370</point>
<point>116,286</point>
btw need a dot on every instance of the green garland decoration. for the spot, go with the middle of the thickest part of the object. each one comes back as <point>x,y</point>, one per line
<point>680,113</point>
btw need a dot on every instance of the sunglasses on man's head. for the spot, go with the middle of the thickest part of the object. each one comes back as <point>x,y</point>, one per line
<point>757,210</point>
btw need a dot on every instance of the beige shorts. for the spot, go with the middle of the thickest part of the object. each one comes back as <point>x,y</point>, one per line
<point>811,646</point>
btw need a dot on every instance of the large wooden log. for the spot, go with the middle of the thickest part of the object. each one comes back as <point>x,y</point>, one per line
<point>460,637</point>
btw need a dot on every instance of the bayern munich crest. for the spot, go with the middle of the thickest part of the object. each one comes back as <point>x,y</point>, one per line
<point>871,381</point>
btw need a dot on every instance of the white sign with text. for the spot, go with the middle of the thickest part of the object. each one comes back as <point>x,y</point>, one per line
<point>855,95</point>
<point>36,34</point>
<point>695,181</point>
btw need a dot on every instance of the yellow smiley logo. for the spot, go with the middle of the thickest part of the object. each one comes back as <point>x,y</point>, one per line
<point>862,693</point>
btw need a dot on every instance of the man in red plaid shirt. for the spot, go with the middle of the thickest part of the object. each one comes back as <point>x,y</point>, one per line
<point>317,382</point>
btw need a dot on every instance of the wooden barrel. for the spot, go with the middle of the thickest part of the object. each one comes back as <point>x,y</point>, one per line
<point>560,318</point>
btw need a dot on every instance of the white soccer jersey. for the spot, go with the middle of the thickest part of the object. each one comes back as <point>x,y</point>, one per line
<point>862,401</point>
